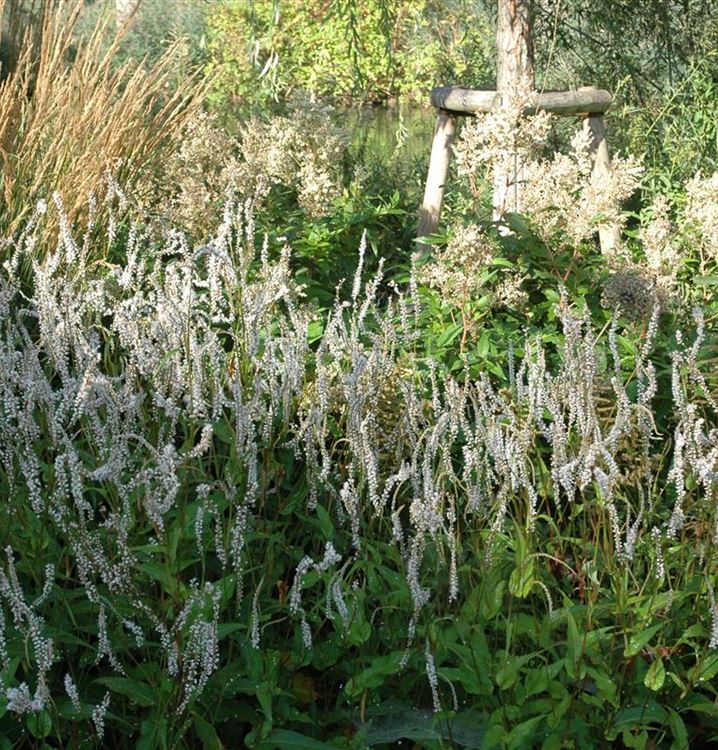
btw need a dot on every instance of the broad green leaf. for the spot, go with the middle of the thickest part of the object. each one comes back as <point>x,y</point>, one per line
<point>523,732</point>
<point>507,675</point>
<point>449,335</point>
<point>640,716</point>
<point>264,696</point>
<point>517,223</point>
<point>637,740</point>
<point>536,681</point>
<point>359,632</point>
<point>656,675</point>
<point>502,262</point>
<point>227,628</point>
<point>374,675</point>
<point>508,671</point>
<point>705,670</point>
<point>39,724</point>
<point>521,580</point>
<point>153,734</point>
<point>678,729</point>
<point>325,522</point>
<point>697,630</point>
<point>606,686</point>
<point>575,646</point>
<point>705,280</point>
<point>207,734</point>
<point>640,640</point>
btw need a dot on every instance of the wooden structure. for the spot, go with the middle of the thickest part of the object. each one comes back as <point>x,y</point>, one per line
<point>514,72</point>
<point>452,102</point>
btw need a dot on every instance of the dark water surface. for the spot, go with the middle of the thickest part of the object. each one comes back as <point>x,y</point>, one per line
<point>393,134</point>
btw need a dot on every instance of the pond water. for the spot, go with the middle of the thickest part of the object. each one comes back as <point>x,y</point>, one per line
<point>399,135</point>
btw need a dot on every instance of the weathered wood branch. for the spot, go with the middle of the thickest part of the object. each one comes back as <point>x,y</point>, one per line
<point>609,236</point>
<point>436,179</point>
<point>584,101</point>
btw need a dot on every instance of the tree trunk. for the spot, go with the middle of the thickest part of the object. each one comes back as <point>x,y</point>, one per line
<point>514,46</point>
<point>514,72</point>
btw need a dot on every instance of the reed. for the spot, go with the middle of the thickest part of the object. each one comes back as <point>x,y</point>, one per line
<point>69,114</point>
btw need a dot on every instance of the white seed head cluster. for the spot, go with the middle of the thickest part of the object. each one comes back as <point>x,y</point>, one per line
<point>660,246</point>
<point>701,212</point>
<point>565,198</point>
<point>496,140</point>
<point>455,271</point>
<point>301,150</point>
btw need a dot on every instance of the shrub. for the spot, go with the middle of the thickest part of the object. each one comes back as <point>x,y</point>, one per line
<point>345,51</point>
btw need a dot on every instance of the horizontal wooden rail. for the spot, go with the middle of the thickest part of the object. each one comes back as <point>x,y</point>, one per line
<point>584,101</point>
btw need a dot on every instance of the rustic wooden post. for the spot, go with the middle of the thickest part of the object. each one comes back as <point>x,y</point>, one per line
<point>514,73</point>
<point>608,235</point>
<point>436,179</point>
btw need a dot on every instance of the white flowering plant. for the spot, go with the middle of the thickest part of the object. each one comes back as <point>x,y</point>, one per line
<point>221,527</point>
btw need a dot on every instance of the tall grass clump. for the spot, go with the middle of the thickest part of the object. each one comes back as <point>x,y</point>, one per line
<point>69,114</point>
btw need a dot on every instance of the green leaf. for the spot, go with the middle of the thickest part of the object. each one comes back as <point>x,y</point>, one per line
<point>640,716</point>
<point>359,632</point>
<point>136,691</point>
<point>264,696</point>
<point>606,686</point>
<point>575,646</point>
<point>637,740</point>
<point>704,670</point>
<point>516,223</point>
<point>523,732</point>
<point>284,739</point>
<point>374,675</point>
<point>492,599</point>
<point>508,672</point>
<point>507,675</point>
<point>640,640</point>
<point>227,628</point>
<point>153,734</point>
<point>536,681</point>
<point>521,580</point>
<point>502,262</point>
<point>325,523</point>
<point>159,573</point>
<point>696,630</point>
<point>656,675</point>
<point>704,280</point>
<point>678,728</point>
<point>39,724</point>
<point>449,335</point>
<point>207,734</point>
